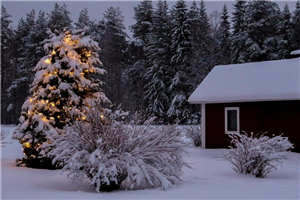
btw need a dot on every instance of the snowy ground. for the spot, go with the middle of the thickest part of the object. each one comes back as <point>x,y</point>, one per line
<point>211,177</point>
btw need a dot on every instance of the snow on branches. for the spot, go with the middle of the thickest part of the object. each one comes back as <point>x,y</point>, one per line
<point>257,156</point>
<point>113,156</point>
<point>63,90</point>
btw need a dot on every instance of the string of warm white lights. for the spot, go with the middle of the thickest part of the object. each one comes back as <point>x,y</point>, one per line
<point>50,107</point>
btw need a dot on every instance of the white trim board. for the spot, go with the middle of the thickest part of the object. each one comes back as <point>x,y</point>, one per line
<point>238,118</point>
<point>203,125</point>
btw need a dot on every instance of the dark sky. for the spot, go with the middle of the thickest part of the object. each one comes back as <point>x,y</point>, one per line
<point>96,9</point>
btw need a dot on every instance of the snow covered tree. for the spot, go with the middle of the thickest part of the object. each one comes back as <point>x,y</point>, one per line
<point>180,87</point>
<point>113,46</point>
<point>264,40</point>
<point>7,66</point>
<point>132,79</point>
<point>296,27</point>
<point>239,35</point>
<point>83,19</point>
<point>29,53</point>
<point>142,27</point>
<point>205,32</point>
<point>59,18</point>
<point>158,74</point>
<point>63,90</point>
<point>285,32</point>
<point>196,34</point>
<point>141,33</point>
<point>238,16</point>
<point>223,37</point>
<point>18,89</point>
<point>194,19</point>
<point>203,48</point>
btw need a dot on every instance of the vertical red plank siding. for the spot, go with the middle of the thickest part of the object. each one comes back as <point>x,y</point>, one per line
<point>276,117</point>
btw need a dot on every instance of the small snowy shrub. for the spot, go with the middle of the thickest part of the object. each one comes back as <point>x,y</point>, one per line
<point>257,156</point>
<point>112,155</point>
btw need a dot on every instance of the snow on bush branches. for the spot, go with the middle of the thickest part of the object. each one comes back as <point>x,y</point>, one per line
<point>257,156</point>
<point>113,156</point>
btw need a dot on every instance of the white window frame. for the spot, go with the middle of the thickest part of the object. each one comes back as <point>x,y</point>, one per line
<point>203,126</point>
<point>238,119</point>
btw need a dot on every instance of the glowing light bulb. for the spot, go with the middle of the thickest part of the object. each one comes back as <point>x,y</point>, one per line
<point>58,116</point>
<point>88,54</point>
<point>44,119</point>
<point>102,116</point>
<point>48,61</point>
<point>26,144</point>
<point>52,118</point>
<point>83,117</point>
<point>30,100</point>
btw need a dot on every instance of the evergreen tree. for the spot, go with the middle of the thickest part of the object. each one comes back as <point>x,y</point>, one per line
<point>157,75</point>
<point>59,18</point>
<point>296,27</point>
<point>203,45</point>
<point>205,27</point>
<point>264,39</point>
<point>180,87</point>
<point>63,90</point>
<point>30,51</point>
<point>18,89</point>
<point>83,19</point>
<point>142,27</point>
<point>194,18</point>
<point>113,46</point>
<point>239,35</point>
<point>7,66</point>
<point>286,32</point>
<point>238,16</point>
<point>142,34</point>
<point>97,30</point>
<point>195,23</point>
<point>223,37</point>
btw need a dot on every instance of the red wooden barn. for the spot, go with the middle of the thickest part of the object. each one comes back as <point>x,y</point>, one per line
<point>255,97</point>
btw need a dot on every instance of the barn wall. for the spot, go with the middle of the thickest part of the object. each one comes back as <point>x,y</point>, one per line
<point>258,117</point>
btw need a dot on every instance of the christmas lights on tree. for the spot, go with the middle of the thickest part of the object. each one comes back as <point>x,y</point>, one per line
<point>65,87</point>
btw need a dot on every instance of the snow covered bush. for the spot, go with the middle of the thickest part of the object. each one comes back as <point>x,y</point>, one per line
<point>113,156</point>
<point>257,156</point>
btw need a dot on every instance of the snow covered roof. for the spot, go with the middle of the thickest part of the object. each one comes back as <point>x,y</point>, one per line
<point>257,81</point>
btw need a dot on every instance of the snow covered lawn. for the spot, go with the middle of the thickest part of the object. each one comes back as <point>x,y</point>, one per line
<point>211,177</point>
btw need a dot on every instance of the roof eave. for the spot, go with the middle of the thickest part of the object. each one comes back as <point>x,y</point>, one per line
<point>239,101</point>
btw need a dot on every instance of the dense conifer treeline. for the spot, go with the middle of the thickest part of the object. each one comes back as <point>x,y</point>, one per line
<point>172,50</point>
